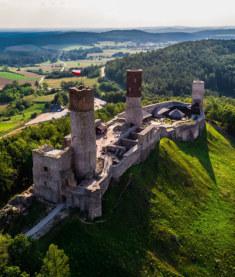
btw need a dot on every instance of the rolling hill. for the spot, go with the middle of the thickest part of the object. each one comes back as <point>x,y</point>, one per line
<point>170,216</point>
<point>43,38</point>
<point>170,71</point>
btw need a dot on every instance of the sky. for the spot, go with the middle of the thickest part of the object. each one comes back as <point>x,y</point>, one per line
<point>115,13</point>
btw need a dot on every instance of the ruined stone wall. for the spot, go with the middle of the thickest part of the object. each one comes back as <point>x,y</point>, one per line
<point>189,131</point>
<point>49,175</point>
<point>130,158</point>
<point>147,139</point>
<point>87,196</point>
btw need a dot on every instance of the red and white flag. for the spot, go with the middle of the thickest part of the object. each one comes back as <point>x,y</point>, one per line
<point>76,72</point>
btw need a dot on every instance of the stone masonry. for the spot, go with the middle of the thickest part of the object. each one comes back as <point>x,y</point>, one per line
<point>83,137</point>
<point>80,174</point>
<point>198,91</point>
<point>134,114</point>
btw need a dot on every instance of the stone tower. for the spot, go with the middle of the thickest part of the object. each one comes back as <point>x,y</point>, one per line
<point>81,105</point>
<point>134,113</point>
<point>198,91</point>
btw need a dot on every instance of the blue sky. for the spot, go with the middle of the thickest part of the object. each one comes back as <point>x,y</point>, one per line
<point>113,13</point>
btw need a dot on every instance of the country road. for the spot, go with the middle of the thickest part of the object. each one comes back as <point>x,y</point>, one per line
<point>102,72</point>
<point>44,117</point>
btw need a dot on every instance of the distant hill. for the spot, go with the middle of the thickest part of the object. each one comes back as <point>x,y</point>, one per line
<point>44,38</point>
<point>28,48</point>
<point>170,71</point>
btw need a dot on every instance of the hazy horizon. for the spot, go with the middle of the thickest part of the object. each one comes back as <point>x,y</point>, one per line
<point>115,28</point>
<point>73,14</point>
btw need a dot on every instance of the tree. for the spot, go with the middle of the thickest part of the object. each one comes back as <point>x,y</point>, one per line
<point>37,85</point>
<point>23,253</point>
<point>5,240</point>
<point>55,263</point>
<point>7,174</point>
<point>12,271</point>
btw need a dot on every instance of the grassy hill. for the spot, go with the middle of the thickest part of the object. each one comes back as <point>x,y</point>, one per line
<point>170,216</point>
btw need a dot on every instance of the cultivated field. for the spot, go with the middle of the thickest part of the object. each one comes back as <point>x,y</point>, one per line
<point>11,76</point>
<point>22,76</point>
<point>55,83</point>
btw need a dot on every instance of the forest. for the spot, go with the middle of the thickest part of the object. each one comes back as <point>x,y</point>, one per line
<point>170,71</point>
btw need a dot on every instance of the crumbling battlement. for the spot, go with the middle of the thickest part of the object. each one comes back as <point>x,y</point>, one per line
<point>95,153</point>
<point>52,170</point>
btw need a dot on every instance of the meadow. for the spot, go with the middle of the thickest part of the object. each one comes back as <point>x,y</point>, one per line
<point>11,76</point>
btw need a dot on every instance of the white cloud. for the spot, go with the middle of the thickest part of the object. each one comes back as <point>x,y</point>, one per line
<point>113,13</point>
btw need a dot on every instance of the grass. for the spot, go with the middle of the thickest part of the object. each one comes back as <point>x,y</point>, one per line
<point>11,76</point>
<point>85,63</point>
<point>41,98</point>
<point>3,107</point>
<point>176,218</point>
<point>19,119</point>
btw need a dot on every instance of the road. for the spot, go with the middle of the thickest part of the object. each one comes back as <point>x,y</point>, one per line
<point>102,72</point>
<point>45,221</point>
<point>44,117</point>
<point>41,80</point>
<point>99,104</point>
<point>47,117</point>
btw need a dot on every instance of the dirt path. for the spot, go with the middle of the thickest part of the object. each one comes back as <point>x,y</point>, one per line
<point>102,72</point>
<point>38,228</point>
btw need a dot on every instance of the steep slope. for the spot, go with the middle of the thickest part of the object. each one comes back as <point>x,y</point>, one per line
<point>170,216</point>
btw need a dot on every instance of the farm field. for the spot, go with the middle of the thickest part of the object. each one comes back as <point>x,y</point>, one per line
<point>41,98</point>
<point>7,77</point>
<point>85,63</point>
<point>55,83</point>
<point>48,67</point>
<point>11,76</point>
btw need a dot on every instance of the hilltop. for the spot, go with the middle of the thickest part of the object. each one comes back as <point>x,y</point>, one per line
<point>173,215</point>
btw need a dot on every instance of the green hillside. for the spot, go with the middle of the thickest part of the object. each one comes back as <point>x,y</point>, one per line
<point>170,216</point>
<point>170,71</point>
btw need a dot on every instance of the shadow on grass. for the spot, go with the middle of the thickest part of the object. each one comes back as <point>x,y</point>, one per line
<point>118,245</point>
<point>200,150</point>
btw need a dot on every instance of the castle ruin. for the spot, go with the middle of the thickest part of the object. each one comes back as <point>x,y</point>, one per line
<point>80,173</point>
